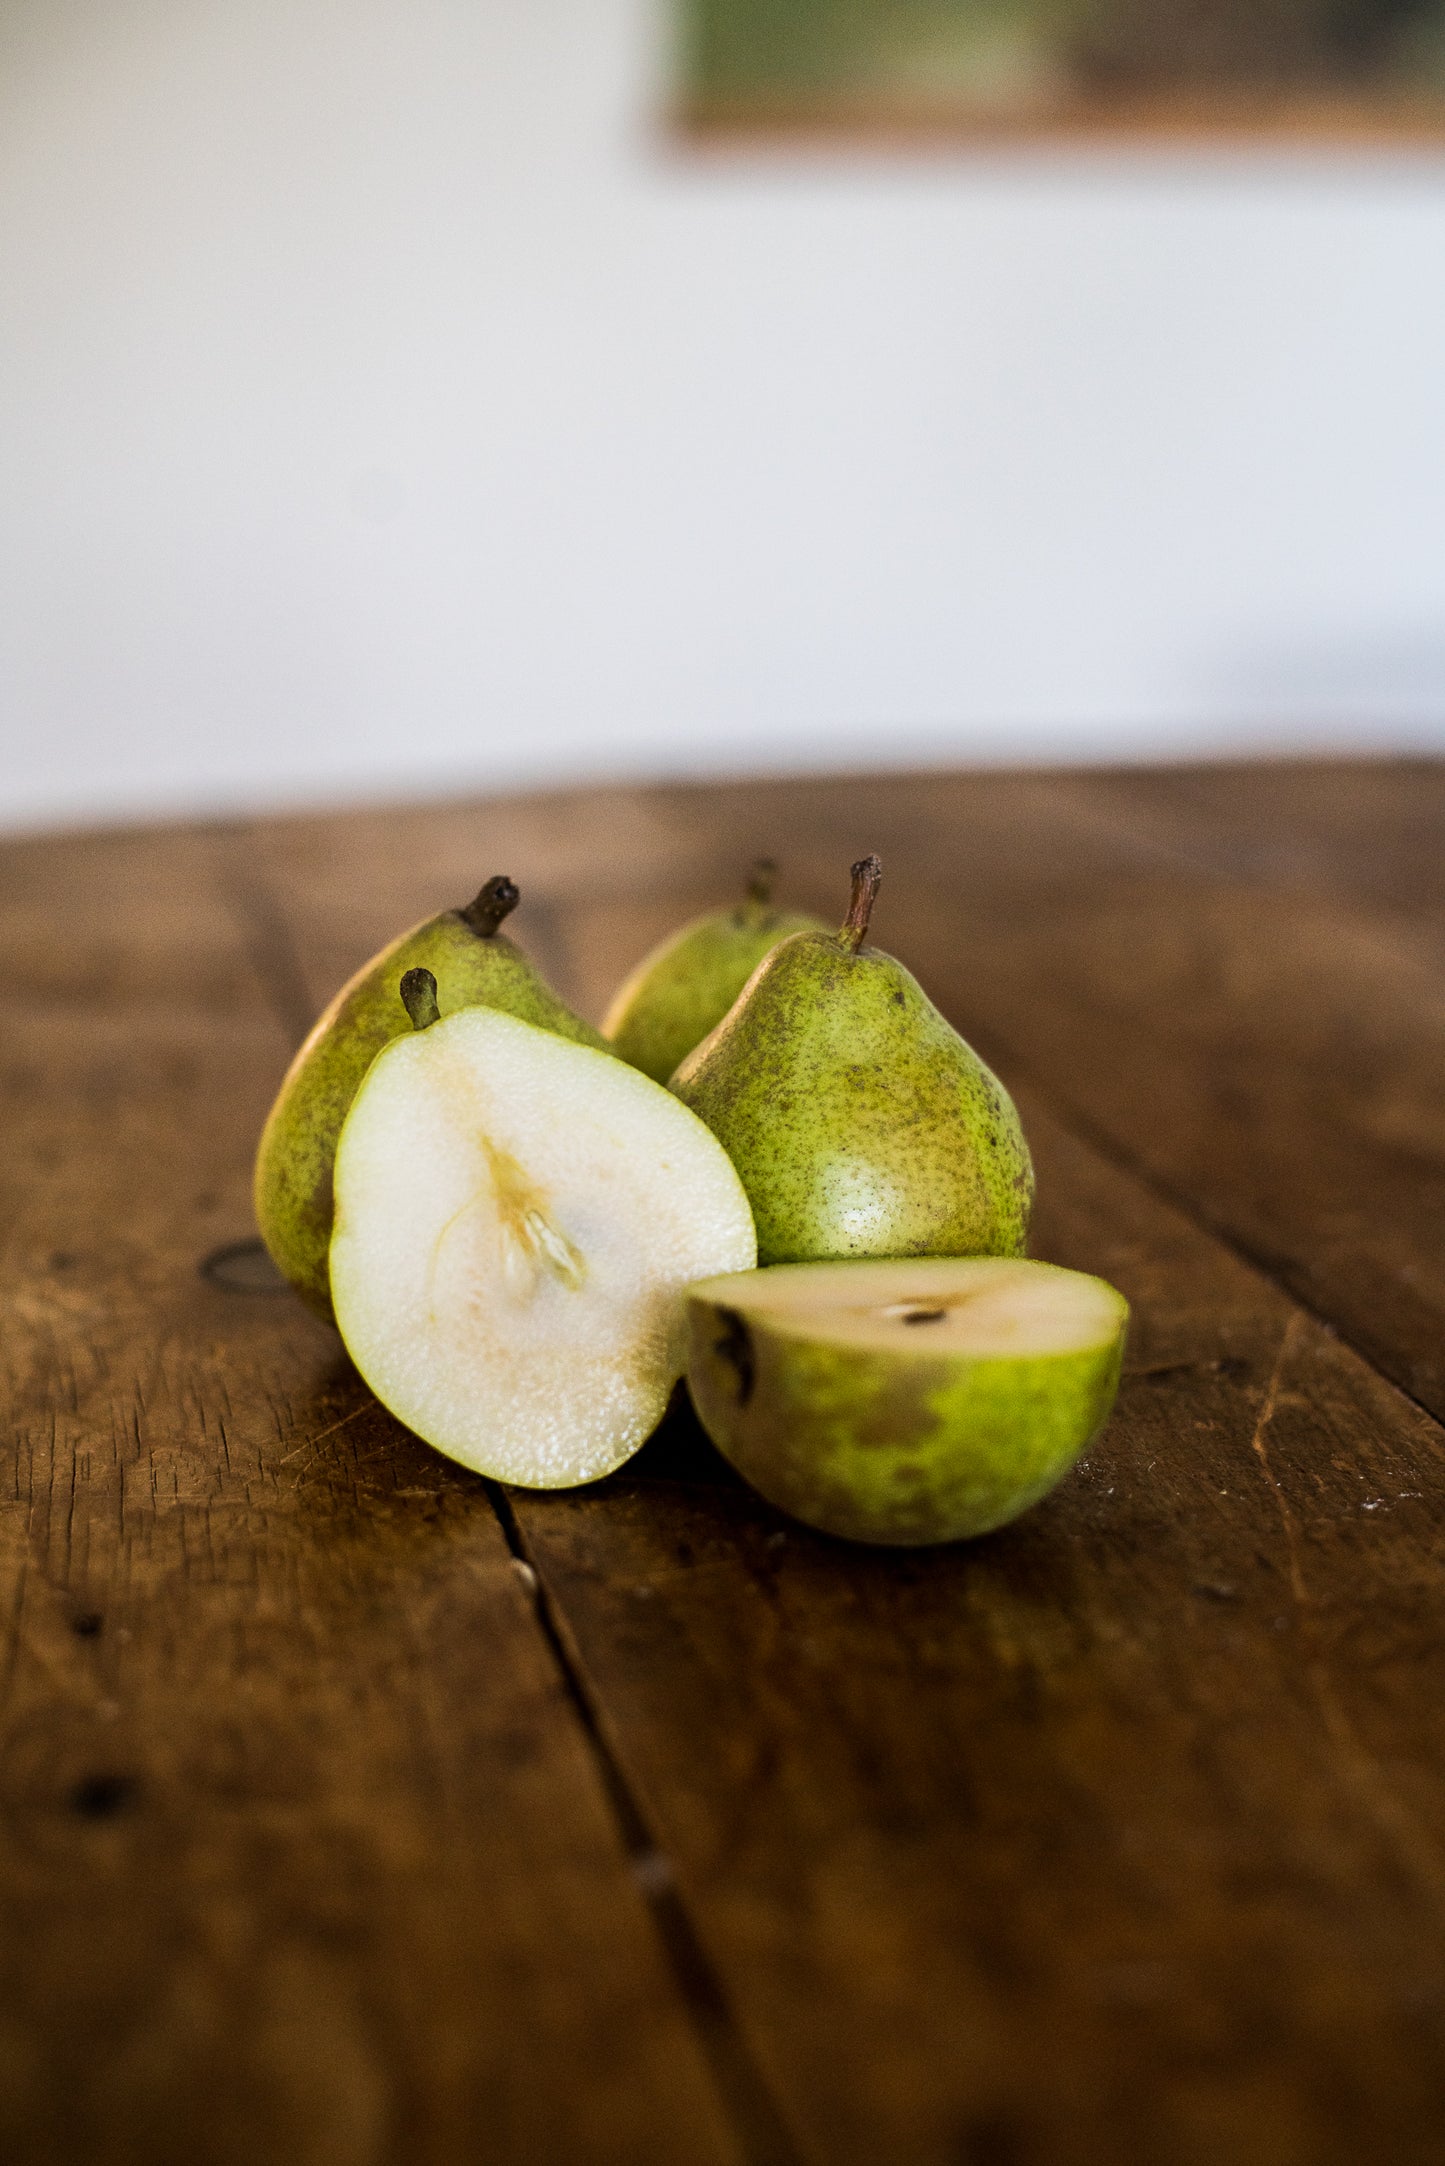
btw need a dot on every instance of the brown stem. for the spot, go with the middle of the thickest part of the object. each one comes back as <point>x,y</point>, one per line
<point>497,900</point>
<point>419,998</point>
<point>866,875</point>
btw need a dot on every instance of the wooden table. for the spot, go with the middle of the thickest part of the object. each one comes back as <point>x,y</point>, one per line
<point>357,1812</point>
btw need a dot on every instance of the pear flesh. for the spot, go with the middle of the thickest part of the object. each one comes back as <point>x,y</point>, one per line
<point>517,1218</point>
<point>472,962</point>
<point>860,1121</point>
<point>905,1403</point>
<point>686,984</point>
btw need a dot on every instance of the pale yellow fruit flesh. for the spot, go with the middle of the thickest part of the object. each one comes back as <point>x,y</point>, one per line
<point>516,1220</point>
<point>990,1306</point>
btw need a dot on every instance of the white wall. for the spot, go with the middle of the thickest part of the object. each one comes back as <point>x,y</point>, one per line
<point>384,403</point>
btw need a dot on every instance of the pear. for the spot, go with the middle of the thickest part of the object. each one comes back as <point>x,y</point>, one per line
<point>517,1218</point>
<point>474,962</point>
<point>905,1402</point>
<point>687,984</point>
<point>860,1121</point>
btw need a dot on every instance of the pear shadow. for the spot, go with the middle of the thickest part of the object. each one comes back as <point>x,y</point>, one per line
<point>242,1267</point>
<point>1030,1551</point>
<point>680,1450</point>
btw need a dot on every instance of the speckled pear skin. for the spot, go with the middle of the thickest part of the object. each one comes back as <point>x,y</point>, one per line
<point>860,1122</point>
<point>901,1449</point>
<point>473,967</point>
<point>685,985</point>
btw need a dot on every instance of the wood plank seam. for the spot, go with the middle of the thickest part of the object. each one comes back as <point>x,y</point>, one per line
<point>755,2116</point>
<point>756,2121</point>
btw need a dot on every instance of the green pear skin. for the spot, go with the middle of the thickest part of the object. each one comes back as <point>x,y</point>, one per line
<point>685,985</point>
<point>900,1449</point>
<point>859,1120</point>
<point>475,966</point>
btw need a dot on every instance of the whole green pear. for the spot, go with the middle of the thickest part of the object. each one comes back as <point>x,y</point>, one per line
<point>688,982</point>
<point>859,1120</point>
<point>475,965</point>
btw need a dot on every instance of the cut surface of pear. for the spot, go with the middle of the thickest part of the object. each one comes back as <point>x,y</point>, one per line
<point>687,983</point>
<point>910,1402</point>
<point>473,962</point>
<point>516,1220</point>
<point>861,1122</point>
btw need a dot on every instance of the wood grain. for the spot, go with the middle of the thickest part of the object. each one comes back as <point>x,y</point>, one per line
<point>1114,1837</point>
<point>1334,827</point>
<point>306,1855</point>
<point>354,1813</point>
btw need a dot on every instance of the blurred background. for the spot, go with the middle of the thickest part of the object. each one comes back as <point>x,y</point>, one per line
<point>472,393</point>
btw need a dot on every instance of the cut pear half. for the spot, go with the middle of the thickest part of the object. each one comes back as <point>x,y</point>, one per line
<point>516,1220</point>
<point>910,1402</point>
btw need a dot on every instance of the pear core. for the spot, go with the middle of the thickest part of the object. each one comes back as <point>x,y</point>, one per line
<point>905,1402</point>
<point>517,1217</point>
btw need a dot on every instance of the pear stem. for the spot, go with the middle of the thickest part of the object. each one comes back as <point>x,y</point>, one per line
<point>760,881</point>
<point>497,900</point>
<point>419,998</point>
<point>854,930</point>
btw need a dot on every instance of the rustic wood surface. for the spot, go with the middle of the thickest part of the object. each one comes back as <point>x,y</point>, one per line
<point>357,1811</point>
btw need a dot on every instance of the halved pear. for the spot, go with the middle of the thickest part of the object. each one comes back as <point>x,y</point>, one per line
<point>909,1402</point>
<point>477,965</point>
<point>516,1220</point>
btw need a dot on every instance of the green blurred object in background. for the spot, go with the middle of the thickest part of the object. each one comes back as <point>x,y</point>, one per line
<point>1336,65</point>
